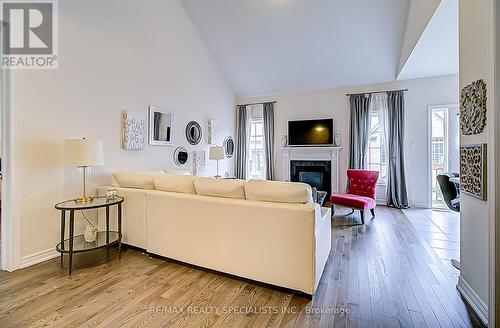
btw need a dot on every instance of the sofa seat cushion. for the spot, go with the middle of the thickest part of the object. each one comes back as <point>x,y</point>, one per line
<point>227,188</point>
<point>354,201</point>
<point>132,179</point>
<point>175,183</point>
<point>278,191</point>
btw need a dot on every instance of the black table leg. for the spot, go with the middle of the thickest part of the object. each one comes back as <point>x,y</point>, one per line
<point>63,226</point>
<point>71,236</point>
<point>107,224</point>
<point>120,230</point>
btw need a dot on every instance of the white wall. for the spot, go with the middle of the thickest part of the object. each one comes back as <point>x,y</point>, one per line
<point>477,62</point>
<point>334,103</point>
<point>114,55</point>
<point>420,13</point>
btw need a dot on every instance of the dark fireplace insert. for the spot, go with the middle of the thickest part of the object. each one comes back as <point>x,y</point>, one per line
<point>315,173</point>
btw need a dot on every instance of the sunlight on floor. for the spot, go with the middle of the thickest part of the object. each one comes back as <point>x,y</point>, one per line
<point>441,230</point>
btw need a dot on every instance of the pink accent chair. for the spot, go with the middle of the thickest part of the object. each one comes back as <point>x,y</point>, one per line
<point>361,193</point>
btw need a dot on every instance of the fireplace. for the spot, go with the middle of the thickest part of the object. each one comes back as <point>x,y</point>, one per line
<point>315,173</point>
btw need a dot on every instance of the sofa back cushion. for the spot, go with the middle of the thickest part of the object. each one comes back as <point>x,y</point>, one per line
<point>278,191</point>
<point>175,183</point>
<point>177,171</point>
<point>133,179</point>
<point>227,188</point>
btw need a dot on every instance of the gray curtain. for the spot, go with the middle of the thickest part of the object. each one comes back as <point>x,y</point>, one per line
<point>397,194</point>
<point>269,139</point>
<point>241,142</point>
<point>359,132</point>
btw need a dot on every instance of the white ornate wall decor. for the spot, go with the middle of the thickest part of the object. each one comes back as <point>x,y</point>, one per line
<point>473,170</point>
<point>198,162</point>
<point>133,130</point>
<point>212,132</point>
<point>473,108</point>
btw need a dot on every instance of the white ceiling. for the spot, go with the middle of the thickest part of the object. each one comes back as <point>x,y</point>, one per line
<point>436,52</point>
<point>279,46</point>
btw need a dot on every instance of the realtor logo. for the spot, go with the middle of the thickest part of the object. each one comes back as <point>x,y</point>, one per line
<point>29,38</point>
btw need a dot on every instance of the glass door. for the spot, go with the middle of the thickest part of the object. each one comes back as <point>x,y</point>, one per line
<point>444,148</point>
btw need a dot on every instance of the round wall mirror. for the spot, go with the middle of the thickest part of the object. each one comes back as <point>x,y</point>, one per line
<point>193,132</point>
<point>229,147</point>
<point>181,156</point>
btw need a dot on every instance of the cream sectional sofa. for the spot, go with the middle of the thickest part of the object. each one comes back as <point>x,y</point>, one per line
<point>266,231</point>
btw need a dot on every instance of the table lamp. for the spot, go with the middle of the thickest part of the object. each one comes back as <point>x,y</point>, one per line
<point>84,153</point>
<point>216,153</point>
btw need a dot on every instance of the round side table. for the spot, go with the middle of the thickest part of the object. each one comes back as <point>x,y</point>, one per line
<point>77,244</point>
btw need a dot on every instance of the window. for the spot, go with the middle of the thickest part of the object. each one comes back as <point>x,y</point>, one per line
<point>256,168</point>
<point>377,158</point>
<point>437,150</point>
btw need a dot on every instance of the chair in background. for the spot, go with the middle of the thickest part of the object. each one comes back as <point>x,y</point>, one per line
<point>360,194</point>
<point>450,191</point>
<point>451,195</point>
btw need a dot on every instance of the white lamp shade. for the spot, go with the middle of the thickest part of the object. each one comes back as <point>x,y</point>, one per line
<point>216,152</point>
<point>84,152</point>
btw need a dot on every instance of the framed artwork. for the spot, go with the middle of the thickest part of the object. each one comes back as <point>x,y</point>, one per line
<point>473,108</point>
<point>161,124</point>
<point>133,130</point>
<point>199,162</point>
<point>212,132</point>
<point>473,175</point>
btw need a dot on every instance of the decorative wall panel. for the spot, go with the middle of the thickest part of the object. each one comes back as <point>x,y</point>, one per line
<point>473,108</point>
<point>473,176</point>
<point>133,129</point>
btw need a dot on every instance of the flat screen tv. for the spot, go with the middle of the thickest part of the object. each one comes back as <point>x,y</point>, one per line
<point>310,132</point>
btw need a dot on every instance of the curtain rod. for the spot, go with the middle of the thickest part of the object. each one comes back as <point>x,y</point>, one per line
<point>257,103</point>
<point>373,92</point>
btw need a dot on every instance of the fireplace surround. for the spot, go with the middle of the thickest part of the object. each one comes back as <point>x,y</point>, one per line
<point>315,173</point>
<point>315,158</point>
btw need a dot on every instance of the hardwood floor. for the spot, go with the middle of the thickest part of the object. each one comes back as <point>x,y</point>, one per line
<point>382,274</point>
<point>441,230</point>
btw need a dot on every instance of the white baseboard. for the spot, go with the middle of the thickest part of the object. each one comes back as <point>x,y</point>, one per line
<point>39,257</point>
<point>473,299</point>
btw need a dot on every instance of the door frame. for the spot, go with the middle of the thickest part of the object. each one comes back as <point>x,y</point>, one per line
<point>430,108</point>
<point>10,212</point>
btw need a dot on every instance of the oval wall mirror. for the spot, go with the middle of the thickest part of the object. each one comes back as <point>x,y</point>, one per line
<point>181,156</point>
<point>229,147</point>
<point>193,132</point>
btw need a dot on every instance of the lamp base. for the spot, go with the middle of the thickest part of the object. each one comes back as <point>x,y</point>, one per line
<point>84,200</point>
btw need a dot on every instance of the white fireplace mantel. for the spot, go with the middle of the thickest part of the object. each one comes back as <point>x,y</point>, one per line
<point>331,154</point>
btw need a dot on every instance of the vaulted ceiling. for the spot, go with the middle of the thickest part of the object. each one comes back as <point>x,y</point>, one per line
<point>279,46</point>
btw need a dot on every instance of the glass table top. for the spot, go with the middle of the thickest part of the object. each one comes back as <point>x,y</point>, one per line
<point>97,202</point>
<point>80,245</point>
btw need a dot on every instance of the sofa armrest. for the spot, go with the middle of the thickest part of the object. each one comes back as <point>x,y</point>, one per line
<point>323,241</point>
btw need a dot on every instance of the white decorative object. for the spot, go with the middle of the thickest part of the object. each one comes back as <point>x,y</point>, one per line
<point>90,234</point>
<point>198,162</point>
<point>133,129</point>
<point>284,140</point>
<point>338,139</point>
<point>212,132</point>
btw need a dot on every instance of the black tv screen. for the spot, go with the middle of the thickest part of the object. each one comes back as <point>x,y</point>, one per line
<point>310,132</point>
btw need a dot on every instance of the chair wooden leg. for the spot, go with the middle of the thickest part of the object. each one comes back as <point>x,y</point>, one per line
<point>373,212</point>
<point>333,210</point>
<point>362,216</point>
